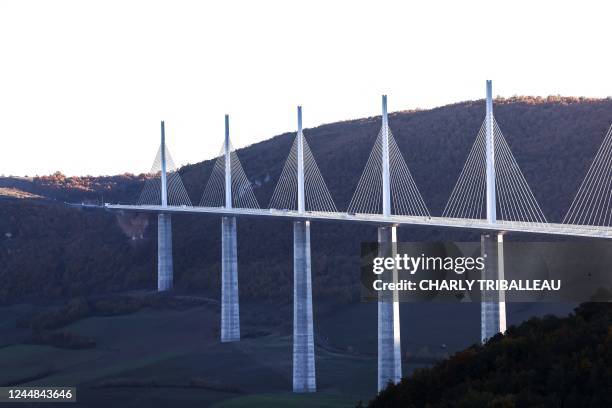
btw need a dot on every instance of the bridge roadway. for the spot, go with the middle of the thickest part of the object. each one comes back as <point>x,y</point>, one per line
<point>381,220</point>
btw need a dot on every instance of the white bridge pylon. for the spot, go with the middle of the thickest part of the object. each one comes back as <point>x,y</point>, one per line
<point>491,185</point>
<point>163,185</point>
<point>228,185</point>
<point>301,186</point>
<point>386,185</point>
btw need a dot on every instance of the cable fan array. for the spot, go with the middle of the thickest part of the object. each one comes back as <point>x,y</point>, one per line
<point>317,196</point>
<point>515,200</point>
<point>406,198</point>
<point>593,202</point>
<point>151,192</point>
<point>242,191</point>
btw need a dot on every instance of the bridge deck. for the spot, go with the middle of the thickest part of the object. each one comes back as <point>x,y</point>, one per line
<point>379,219</point>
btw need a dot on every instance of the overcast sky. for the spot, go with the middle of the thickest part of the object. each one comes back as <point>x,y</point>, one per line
<point>84,84</point>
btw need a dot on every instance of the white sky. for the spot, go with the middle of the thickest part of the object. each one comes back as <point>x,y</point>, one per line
<point>84,84</point>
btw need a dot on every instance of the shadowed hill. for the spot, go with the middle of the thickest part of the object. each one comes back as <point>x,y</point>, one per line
<point>71,252</point>
<point>544,362</point>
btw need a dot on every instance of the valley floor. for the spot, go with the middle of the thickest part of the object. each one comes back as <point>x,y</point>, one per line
<point>173,357</point>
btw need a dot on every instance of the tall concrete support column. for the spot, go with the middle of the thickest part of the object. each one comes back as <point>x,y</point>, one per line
<point>230,309</point>
<point>165,269</point>
<point>164,253</point>
<point>303,338</point>
<point>493,305</point>
<point>389,339</point>
<point>389,342</point>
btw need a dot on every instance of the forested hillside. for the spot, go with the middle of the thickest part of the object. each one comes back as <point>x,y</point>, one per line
<point>48,250</point>
<point>544,362</point>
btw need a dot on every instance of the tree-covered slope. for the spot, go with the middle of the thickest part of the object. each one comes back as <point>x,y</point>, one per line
<point>544,362</point>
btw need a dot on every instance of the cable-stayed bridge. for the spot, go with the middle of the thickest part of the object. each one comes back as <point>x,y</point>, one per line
<point>491,195</point>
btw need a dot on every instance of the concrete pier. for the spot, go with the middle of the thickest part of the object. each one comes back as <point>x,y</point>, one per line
<point>164,253</point>
<point>303,338</point>
<point>230,309</point>
<point>165,269</point>
<point>389,339</point>
<point>493,305</point>
<point>389,344</point>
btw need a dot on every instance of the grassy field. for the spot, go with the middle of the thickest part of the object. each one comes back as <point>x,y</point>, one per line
<point>173,357</point>
<point>158,356</point>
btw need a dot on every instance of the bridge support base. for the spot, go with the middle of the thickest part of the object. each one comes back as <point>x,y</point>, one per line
<point>389,344</point>
<point>164,253</point>
<point>493,304</point>
<point>303,339</point>
<point>230,312</point>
